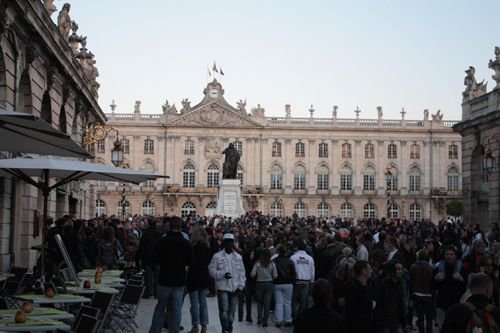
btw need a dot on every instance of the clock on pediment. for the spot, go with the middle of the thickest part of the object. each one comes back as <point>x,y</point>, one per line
<point>214,90</point>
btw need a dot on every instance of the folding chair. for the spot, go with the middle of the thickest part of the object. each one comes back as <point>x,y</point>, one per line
<point>12,283</point>
<point>102,301</point>
<point>86,324</point>
<point>124,314</point>
<point>86,310</point>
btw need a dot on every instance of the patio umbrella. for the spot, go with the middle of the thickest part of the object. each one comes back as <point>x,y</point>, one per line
<point>66,171</point>
<point>26,133</point>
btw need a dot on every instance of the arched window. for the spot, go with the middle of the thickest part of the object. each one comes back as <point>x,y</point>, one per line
<point>149,167</point>
<point>239,174</point>
<point>300,209</point>
<point>148,208</point>
<point>392,180</point>
<point>101,146</point>
<point>369,210</point>
<point>188,175</point>
<point>276,209</point>
<point>369,150</point>
<point>414,179</point>
<point>276,178</point>
<point>346,150</point>
<point>453,152</point>
<point>238,145</point>
<point>299,178</point>
<point>392,211</point>
<point>369,179</point>
<point>323,209</point>
<point>323,178</point>
<point>213,176</point>
<point>149,146</point>
<point>392,151</point>
<point>211,204</point>
<point>188,208</point>
<point>346,178</point>
<point>415,212</point>
<point>346,210</point>
<point>415,151</point>
<point>276,149</point>
<point>300,149</point>
<point>189,147</point>
<point>100,208</point>
<point>323,150</point>
<point>126,146</point>
<point>453,179</point>
<point>124,208</point>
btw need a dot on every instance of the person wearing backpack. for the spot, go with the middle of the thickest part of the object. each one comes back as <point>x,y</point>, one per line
<point>476,315</point>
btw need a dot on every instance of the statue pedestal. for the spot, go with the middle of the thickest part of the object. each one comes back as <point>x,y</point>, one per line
<point>229,202</point>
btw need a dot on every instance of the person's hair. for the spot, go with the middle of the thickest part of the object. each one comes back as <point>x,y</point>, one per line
<point>359,266</point>
<point>199,235</point>
<point>108,234</point>
<point>282,250</point>
<point>393,241</point>
<point>265,257</point>
<point>322,292</point>
<point>423,255</point>
<point>175,223</point>
<point>300,243</point>
<point>480,281</point>
<point>451,248</point>
<point>152,222</point>
<point>484,260</point>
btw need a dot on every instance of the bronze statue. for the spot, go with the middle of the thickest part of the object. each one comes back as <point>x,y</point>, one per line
<point>230,167</point>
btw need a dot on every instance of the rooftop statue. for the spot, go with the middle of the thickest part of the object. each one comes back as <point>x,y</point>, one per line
<point>64,21</point>
<point>49,6</point>
<point>472,88</point>
<point>241,105</point>
<point>495,65</point>
<point>186,105</point>
<point>438,117</point>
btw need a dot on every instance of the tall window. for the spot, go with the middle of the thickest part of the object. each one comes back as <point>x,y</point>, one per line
<point>346,150</point>
<point>126,146</point>
<point>346,179</point>
<point>369,179</point>
<point>149,146</point>
<point>346,210</point>
<point>238,145</point>
<point>453,179</point>
<point>393,211</point>
<point>101,146</point>
<point>414,179</point>
<point>149,167</point>
<point>392,151</point>
<point>415,152</point>
<point>100,207</point>
<point>188,208</point>
<point>323,209</point>
<point>392,181</point>
<point>276,178</point>
<point>323,176</point>
<point>276,149</point>
<point>299,178</point>
<point>239,174</point>
<point>213,176</point>
<point>369,150</point>
<point>189,147</point>
<point>148,208</point>
<point>453,152</point>
<point>300,209</point>
<point>276,209</point>
<point>323,150</point>
<point>300,150</point>
<point>123,207</point>
<point>188,175</point>
<point>369,210</point>
<point>415,212</point>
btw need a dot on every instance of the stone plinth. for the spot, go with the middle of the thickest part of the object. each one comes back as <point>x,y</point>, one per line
<point>229,201</point>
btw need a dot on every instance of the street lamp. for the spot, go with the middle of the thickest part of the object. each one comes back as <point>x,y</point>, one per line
<point>488,162</point>
<point>388,182</point>
<point>123,204</point>
<point>117,152</point>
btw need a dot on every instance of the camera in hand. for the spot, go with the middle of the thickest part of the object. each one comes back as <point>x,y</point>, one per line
<point>228,276</point>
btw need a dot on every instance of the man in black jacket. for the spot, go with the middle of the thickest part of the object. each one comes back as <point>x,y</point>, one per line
<point>358,299</point>
<point>458,315</point>
<point>147,245</point>
<point>174,254</point>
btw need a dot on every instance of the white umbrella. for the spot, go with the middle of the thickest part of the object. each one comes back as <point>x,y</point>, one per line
<point>66,171</point>
<point>26,133</point>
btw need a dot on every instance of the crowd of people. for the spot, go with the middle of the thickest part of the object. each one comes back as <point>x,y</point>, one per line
<point>370,275</point>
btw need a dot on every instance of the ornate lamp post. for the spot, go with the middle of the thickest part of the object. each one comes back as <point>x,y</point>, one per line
<point>123,200</point>
<point>388,182</point>
<point>97,132</point>
<point>489,162</point>
<point>117,152</point>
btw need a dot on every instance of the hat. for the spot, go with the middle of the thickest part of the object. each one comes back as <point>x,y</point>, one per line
<point>228,236</point>
<point>347,251</point>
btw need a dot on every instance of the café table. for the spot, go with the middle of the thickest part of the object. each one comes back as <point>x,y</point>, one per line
<point>57,299</point>
<point>92,290</point>
<point>38,313</point>
<point>108,284</point>
<point>108,273</point>
<point>33,325</point>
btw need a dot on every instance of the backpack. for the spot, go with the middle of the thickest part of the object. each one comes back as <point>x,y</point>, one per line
<point>481,320</point>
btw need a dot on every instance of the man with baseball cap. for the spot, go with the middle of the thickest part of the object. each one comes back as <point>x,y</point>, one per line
<point>228,271</point>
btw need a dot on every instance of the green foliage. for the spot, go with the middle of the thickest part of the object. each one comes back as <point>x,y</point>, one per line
<point>455,208</point>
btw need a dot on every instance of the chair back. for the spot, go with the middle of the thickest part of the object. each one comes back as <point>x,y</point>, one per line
<point>12,283</point>
<point>86,324</point>
<point>86,310</point>
<point>131,294</point>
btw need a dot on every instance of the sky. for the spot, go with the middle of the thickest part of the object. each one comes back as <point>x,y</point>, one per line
<point>352,53</point>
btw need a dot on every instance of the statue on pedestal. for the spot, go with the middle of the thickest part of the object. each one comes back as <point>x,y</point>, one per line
<point>230,167</point>
<point>64,21</point>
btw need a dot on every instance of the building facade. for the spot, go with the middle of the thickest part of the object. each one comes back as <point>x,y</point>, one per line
<point>47,72</point>
<point>308,166</point>
<point>480,129</point>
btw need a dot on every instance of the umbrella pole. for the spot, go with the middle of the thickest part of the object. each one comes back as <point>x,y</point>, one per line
<point>46,192</point>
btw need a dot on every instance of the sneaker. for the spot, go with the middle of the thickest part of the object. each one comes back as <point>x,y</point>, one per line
<point>259,322</point>
<point>288,324</point>
<point>278,325</point>
<point>249,320</point>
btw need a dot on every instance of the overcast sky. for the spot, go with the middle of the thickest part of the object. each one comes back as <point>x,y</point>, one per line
<point>396,54</point>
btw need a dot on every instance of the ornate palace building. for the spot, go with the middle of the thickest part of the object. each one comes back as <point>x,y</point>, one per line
<point>480,128</point>
<point>351,168</point>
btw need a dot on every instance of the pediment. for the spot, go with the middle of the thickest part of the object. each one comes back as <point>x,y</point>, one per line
<point>214,115</point>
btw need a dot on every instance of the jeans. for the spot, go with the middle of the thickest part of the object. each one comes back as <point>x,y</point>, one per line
<point>246,298</point>
<point>425,312</point>
<point>263,293</point>
<point>227,302</point>
<point>173,296</point>
<point>300,299</point>
<point>283,298</point>
<point>151,273</point>
<point>199,309</point>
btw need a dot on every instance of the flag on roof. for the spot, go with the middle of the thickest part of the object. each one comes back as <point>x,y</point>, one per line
<point>220,70</point>
<point>214,68</point>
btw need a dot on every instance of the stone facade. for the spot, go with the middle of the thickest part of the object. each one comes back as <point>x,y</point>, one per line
<point>41,75</point>
<point>309,166</point>
<point>480,129</point>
